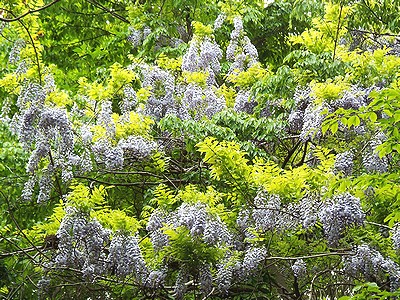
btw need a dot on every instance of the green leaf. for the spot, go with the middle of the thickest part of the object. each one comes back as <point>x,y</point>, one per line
<point>327,124</point>
<point>354,120</point>
<point>373,117</point>
<point>396,116</point>
<point>334,127</point>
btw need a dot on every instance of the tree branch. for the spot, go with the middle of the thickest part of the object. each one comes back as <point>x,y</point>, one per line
<point>19,251</point>
<point>303,158</point>
<point>24,251</point>
<point>337,32</point>
<point>372,12</point>
<point>130,183</point>
<point>310,256</point>
<point>38,249</point>
<point>33,45</point>
<point>31,11</point>
<point>372,32</point>
<point>95,3</point>
<point>60,193</point>
<point>291,152</point>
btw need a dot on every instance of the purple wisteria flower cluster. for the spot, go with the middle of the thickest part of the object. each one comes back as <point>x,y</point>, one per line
<point>339,213</point>
<point>161,85</point>
<point>372,265</point>
<point>306,116</point>
<point>185,100</point>
<point>299,268</point>
<point>82,244</point>
<point>344,162</point>
<point>16,51</point>
<point>128,150</point>
<point>371,160</point>
<point>125,258</point>
<point>137,36</point>
<point>203,55</point>
<point>240,51</point>
<point>336,214</point>
<point>270,214</point>
<point>85,245</point>
<point>234,269</point>
<point>396,236</point>
<point>195,218</point>
<point>46,132</point>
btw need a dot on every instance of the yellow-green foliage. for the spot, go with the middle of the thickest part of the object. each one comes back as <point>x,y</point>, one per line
<point>159,163</point>
<point>235,8</point>
<point>260,168</point>
<point>98,91</point>
<point>191,194</point>
<point>326,158</point>
<point>329,90</point>
<point>326,31</point>
<point>228,93</point>
<point>197,78</point>
<point>153,258</point>
<point>170,64</point>
<point>51,224</point>
<point>99,132</point>
<point>164,197</point>
<point>228,164</point>
<point>136,12</point>
<point>33,49</point>
<point>335,16</point>
<point>167,199</point>
<point>10,82</point>
<point>4,290</point>
<point>248,78</point>
<point>295,183</point>
<point>183,248</point>
<point>143,94</point>
<point>32,52</point>
<point>226,160</point>
<point>312,40</point>
<point>119,77</point>
<point>91,202</point>
<point>59,98</point>
<point>116,220</point>
<point>201,30</point>
<point>371,67</point>
<point>136,125</point>
<point>291,183</point>
<point>85,199</point>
